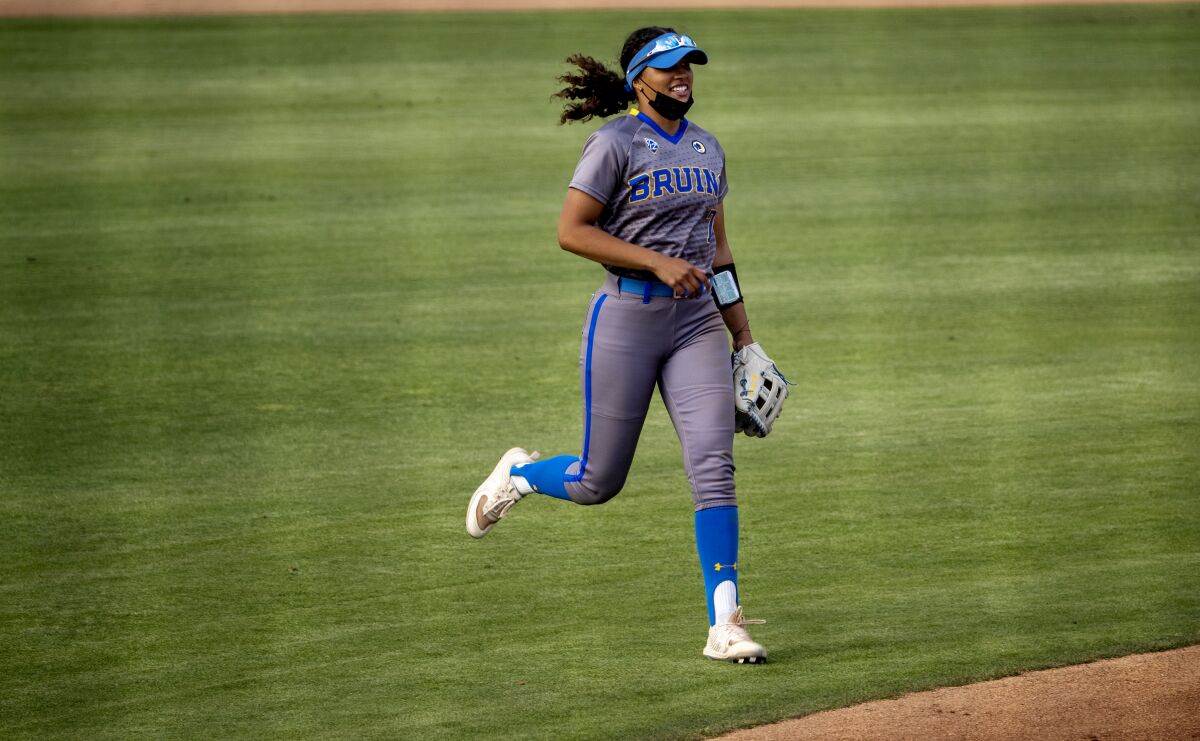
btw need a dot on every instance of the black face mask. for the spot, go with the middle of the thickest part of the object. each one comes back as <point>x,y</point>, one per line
<point>668,107</point>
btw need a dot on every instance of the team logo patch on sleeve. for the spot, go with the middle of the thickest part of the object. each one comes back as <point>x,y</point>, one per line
<point>652,145</point>
<point>698,146</point>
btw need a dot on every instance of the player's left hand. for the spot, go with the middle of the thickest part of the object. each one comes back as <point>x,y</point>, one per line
<point>759,390</point>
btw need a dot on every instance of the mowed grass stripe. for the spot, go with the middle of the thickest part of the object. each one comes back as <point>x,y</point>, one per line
<point>275,292</point>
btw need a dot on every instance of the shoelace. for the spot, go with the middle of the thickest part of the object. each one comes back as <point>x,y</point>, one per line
<point>505,500</point>
<point>506,497</point>
<point>737,627</point>
<point>738,618</point>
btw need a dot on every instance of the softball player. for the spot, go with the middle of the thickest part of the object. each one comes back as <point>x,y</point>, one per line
<point>646,202</point>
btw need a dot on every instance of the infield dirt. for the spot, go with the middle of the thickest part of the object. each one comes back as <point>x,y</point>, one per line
<point>1147,696</point>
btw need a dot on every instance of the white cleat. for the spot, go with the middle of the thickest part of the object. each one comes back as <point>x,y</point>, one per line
<point>730,642</point>
<point>496,495</point>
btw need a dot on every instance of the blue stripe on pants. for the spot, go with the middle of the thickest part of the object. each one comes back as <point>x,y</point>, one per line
<point>587,389</point>
<point>550,476</point>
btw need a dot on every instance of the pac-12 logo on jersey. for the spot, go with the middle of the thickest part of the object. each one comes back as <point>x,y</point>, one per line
<point>652,145</point>
<point>698,146</point>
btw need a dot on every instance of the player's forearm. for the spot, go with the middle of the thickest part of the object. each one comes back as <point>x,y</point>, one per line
<point>736,320</point>
<point>738,324</point>
<point>595,244</point>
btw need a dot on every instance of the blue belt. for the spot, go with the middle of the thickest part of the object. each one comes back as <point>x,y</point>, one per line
<point>644,288</point>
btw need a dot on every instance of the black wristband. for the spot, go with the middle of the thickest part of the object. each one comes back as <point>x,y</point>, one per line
<point>726,289</point>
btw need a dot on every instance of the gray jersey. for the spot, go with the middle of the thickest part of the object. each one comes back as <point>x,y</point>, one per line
<point>659,192</point>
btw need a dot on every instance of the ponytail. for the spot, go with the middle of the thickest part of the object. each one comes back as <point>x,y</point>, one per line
<point>601,91</point>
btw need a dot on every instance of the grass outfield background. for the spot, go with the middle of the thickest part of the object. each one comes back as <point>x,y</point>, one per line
<point>275,292</point>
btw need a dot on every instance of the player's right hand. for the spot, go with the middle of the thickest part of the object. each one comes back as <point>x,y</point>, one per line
<point>686,279</point>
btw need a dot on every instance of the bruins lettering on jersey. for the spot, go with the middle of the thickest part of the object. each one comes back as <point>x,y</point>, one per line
<point>673,180</point>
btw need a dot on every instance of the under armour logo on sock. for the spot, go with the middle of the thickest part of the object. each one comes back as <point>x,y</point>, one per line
<point>718,566</point>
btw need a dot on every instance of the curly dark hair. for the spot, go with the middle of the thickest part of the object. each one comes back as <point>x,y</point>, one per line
<point>601,91</point>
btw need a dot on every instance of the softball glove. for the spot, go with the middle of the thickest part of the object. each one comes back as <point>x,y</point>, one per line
<point>759,390</point>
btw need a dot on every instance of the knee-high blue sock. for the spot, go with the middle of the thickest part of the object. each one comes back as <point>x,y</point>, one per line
<point>549,476</point>
<point>716,542</point>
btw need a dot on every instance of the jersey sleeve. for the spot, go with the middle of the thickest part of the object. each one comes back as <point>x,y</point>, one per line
<point>601,166</point>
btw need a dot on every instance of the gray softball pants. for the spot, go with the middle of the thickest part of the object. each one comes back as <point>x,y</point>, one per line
<point>630,344</point>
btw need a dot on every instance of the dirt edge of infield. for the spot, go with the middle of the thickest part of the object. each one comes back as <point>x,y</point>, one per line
<point>1143,696</point>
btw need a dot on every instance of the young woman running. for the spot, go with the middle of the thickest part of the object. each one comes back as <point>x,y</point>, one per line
<point>646,202</point>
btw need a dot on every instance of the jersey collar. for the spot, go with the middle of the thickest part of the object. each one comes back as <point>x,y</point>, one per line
<point>683,125</point>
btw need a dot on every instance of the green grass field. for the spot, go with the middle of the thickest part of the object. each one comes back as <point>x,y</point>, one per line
<point>276,292</point>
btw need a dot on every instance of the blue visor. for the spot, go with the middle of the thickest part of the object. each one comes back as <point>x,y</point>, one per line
<point>664,52</point>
